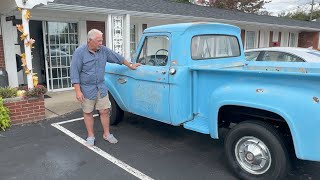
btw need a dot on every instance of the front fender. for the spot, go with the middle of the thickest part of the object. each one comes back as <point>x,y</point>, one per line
<point>115,94</point>
<point>288,102</point>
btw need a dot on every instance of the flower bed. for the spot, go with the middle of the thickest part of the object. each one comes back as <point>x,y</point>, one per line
<point>29,107</point>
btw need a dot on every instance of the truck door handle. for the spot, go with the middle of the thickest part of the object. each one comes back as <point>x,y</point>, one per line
<point>122,80</point>
<point>162,72</point>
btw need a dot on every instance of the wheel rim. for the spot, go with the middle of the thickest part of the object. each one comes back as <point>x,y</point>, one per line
<point>253,155</point>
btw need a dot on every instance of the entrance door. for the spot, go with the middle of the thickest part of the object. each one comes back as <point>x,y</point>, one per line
<point>61,40</point>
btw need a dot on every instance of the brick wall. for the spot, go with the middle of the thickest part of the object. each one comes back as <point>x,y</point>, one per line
<point>2,64</point>
<point>100,25</point>
<point>26,110</point>
<point>308,39</point>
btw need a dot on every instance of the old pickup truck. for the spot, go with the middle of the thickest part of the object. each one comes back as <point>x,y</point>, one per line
<point>194,75</point>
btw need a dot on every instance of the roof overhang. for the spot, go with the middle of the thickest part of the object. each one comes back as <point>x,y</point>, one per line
<point>7,6</point>
<point>95,10</point>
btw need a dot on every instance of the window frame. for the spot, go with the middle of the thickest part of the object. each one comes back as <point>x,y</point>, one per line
<point>213,58</point>
<point>134,40</point>
<point>142,45</point>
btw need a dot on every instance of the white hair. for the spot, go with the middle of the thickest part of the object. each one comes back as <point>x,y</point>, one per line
<point>92,33</point>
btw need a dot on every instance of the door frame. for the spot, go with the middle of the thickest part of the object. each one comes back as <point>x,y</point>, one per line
<point>44,31</point>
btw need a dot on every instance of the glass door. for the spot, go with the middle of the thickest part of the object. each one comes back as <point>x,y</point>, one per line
<point>61,40</point>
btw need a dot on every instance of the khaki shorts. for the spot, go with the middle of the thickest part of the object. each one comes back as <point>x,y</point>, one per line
<point>100,104</point>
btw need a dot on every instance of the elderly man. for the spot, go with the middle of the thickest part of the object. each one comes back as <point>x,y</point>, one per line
<point>87,76</point>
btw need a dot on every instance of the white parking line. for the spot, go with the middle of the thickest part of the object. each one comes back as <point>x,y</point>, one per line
<point>99,151</point>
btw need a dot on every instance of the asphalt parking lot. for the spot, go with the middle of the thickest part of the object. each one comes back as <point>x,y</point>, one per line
<point>156,150</point>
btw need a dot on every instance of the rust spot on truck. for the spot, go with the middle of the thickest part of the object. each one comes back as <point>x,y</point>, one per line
<point>174,62</point>
<point>259,90</point>
<point>316,99</point>
<point>303,70</point>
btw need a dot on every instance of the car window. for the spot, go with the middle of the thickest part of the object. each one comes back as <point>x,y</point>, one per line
<point>154,51</point>
<point>214,46</point>
<point>314,53</point>
<point>280,56</point>
<point>251,56</point>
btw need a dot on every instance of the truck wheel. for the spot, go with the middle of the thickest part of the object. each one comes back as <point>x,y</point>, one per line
<point>256,151</point>
<point>116,113</point>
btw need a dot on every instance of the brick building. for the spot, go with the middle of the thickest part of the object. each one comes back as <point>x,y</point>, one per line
<point>62,25</point>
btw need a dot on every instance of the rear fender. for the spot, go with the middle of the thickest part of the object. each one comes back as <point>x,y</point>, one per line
<point>287,103</point>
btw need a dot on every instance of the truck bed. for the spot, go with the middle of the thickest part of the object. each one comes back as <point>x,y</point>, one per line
<point>281,67</point>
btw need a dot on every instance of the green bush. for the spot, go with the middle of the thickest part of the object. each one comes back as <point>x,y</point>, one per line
<point>4,116</point>
<point>8,92</point>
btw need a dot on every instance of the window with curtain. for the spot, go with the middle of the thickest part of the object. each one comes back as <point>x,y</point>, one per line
<point>293,40</point>
<point>214,46</point>
<point>250,39</point>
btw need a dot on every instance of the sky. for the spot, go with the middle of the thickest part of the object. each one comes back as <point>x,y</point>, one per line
<point>277,6</point>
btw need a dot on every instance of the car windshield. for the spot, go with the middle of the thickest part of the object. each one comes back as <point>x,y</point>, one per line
<point>251,56</point>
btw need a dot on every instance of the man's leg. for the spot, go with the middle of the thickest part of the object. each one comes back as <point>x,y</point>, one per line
<point>103,105</point>
<point>88,120</point>
<point>88,107</point>
<point>105,121</point>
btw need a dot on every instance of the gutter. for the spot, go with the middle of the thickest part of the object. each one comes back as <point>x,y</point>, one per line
<point>96,10</point>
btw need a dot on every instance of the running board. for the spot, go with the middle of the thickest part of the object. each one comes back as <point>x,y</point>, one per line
<point>200,124</point>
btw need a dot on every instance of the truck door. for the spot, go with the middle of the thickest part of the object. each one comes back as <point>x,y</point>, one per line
<point>150,84</point>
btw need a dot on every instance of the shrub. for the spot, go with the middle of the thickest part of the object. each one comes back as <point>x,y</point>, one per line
<point>8,92</point>
<point>37,91</point>
<point>4,116</point>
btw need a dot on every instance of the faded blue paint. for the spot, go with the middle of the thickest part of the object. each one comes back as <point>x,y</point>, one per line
<point>195,94</point>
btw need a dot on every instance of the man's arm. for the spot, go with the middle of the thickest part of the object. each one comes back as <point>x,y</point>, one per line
<point>75,69</point>
<point>114,57</point>
<point>79,94</point>
<point>132,66</point>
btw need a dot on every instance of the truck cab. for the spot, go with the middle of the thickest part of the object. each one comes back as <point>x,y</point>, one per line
<point>194,75</point>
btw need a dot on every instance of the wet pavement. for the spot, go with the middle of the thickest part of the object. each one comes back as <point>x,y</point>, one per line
<point>160,151</point>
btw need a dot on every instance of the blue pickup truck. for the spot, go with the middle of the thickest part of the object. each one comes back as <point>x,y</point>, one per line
<point>194,75</point>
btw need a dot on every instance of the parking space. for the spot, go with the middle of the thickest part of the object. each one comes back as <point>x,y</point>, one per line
<point>146,150</point>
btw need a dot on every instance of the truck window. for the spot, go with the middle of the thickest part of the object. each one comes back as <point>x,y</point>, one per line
<point>214,46</point>
<point>154,51</point>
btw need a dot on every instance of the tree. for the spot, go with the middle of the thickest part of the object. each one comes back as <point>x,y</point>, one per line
<point>248,6</point>
<point>301,15</point>
<point>183,1</point>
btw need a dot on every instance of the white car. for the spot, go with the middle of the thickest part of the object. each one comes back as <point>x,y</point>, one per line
<point>283,54</point>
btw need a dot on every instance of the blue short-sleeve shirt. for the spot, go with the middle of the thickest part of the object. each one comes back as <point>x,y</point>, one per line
<point>88,68</point>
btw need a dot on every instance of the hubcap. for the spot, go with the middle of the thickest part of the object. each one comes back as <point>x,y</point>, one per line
<point>253,155</point>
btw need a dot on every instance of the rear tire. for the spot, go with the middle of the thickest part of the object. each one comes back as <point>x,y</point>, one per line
<point>116,113</point>
<point>256,151</point>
